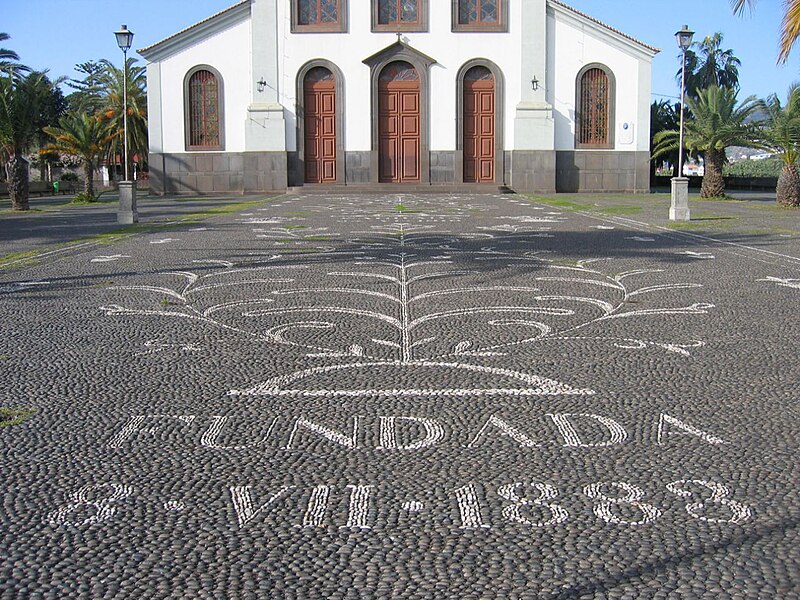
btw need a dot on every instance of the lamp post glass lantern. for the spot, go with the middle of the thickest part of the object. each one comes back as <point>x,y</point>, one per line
<point>679,206</point>
<point>126,213</point>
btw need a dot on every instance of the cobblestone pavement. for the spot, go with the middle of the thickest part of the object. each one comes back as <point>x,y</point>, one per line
<point>403,396</point>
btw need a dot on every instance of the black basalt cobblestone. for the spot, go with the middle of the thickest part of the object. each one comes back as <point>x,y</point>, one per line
<point>405,396</point>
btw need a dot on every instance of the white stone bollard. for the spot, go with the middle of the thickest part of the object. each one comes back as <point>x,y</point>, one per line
<point>679,208</point>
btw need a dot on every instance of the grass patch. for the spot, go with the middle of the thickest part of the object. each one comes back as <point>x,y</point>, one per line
<point>687,226</point>
<point>291,227</point>
<point>402,208</point>
<point>30,257</point>
<point>317,238</point>
<point>560,203</point>
<point>620,209</point>
<point>15,416</point>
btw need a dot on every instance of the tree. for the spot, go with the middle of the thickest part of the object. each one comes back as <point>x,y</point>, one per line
<point>715,123</point>
<point>9,58</point>
<point>20,102</point>
<point>710,65</point>
<point>664,117</point>
<point>84,136</point>
<point>88,94</point>
<point>52,107</point>
<point>790,25</point>
<point>112,110</point>
<point>780,134</point>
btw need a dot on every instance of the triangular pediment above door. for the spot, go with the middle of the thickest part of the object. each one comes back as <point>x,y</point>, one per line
<point>399,51</point>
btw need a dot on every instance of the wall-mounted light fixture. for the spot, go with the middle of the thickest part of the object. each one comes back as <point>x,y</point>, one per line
<point>261,84</point>
<point>535,83</point>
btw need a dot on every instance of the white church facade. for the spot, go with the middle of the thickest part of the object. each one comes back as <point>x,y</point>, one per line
<point>405,94</point>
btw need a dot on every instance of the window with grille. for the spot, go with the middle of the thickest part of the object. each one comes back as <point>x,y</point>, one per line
<point>594,109</point>
<point>400,15</point>
<point>320,16</point>
<point>204,108</point>
<point>480,15</point>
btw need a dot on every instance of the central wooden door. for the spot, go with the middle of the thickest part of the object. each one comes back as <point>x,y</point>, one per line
<point>319,103</point>
<point>399,124</point>
<point>479,119</point>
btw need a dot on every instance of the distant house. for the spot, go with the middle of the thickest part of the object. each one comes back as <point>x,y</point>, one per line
<point>267,94</point>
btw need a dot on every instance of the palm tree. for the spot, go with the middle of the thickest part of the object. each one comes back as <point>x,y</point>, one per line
<point>111,79</point>
<point>664,116</point>
<point>715,123</point>
<point>780,134</point>
<point>9,58</point>
<point>710,65</point>
<point>20,101</point>
<point>790,26</point>
<point>83,136</point>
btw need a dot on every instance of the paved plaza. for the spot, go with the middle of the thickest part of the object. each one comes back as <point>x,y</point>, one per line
<point>411,396</point>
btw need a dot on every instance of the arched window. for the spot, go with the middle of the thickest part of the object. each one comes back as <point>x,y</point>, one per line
<point>204,109</point>
<point>595,108</point>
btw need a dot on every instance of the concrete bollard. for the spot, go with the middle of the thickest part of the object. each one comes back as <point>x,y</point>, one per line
<point>679,207</point>
<point>126,213</point>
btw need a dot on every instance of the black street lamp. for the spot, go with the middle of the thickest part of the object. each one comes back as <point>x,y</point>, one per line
<point>126,213</point>
<point>679,205</point>
<point>684,37</point>
<point>124,41</point>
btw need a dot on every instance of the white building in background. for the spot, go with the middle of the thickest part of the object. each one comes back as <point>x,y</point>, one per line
<point>530,94</point>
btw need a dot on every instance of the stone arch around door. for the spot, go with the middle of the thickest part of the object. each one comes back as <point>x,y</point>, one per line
<point>499,119</point>
<point>339,120</point>
<point>401,52</point>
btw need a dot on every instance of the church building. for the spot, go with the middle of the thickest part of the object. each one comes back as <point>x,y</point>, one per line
<point>399,95</point>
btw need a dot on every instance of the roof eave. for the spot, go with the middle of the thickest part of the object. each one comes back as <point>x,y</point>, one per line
<point>198,31</point>
<point>631,41</point>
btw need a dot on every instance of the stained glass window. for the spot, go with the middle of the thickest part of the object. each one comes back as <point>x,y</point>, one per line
<point>398,11</point>
<point>204,118</point>
<point>310,16</point>
<point>476,12</point>
<point>594,114</point>
<point>314,12</point>
<point>319,74</point>
<point>478,74</point>
<point>399,71</point>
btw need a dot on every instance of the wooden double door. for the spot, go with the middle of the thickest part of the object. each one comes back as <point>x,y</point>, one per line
<point>479,126</point>
<point>319,103</point>
<point>399,127</point>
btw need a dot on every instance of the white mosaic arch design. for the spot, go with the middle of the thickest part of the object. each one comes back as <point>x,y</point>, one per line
<point>409,256</point>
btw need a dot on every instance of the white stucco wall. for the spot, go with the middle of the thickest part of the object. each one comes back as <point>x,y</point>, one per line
<point>347,51</point>
<point>228,51</point>
<point>573,45</point>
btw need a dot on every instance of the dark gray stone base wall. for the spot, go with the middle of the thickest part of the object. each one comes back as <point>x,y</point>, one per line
<point>533,171</point>
<point>297,174</point>
<point>218,172</point>
<point>442,167</point>
<point>357,165</point>
<point>602,171</point>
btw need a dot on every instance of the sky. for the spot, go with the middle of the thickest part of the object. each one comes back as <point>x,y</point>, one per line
<point>58,34</point>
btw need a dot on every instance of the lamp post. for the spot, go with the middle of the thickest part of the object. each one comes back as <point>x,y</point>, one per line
<point>127,189</point>
<point>679,207</point>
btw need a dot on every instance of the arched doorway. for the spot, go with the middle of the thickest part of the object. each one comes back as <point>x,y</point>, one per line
<point>319,125</point>
<point>399,130</point>
<point>479,125</point>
